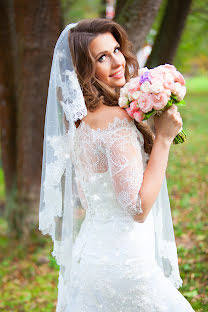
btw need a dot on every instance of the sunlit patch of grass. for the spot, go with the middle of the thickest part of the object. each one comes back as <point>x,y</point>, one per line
<point>197,85</point>
<point>2,188</point>
<point>28,275</point>
<point>187,174</point>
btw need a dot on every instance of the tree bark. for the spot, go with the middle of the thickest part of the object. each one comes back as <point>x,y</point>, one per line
<point>170,32</point>
<point>7,96</point>
<point>37,27</point>
<point>137,17</point>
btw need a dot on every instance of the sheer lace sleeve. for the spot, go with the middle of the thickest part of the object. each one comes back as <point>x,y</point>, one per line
<point>123,151</point>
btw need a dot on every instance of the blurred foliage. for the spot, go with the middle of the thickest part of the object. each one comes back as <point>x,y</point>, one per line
<point>29,274</point>
<point>191,57</point>
<point>197,85</point>
<point>73,11</point>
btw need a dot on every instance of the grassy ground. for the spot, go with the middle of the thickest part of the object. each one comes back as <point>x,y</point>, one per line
<point>29,275</point>
<point>187,176</point>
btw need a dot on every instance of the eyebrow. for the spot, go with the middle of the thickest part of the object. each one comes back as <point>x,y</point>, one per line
<point>103,52</point>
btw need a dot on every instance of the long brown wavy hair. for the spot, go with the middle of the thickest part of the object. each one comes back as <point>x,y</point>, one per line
<point>95,91</point>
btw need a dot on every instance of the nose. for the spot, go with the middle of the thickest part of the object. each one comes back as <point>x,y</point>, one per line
<point>116,60</point>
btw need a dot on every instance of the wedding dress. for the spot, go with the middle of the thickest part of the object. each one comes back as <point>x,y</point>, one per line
<point>113,260</point>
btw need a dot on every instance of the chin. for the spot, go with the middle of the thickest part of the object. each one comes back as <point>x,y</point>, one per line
<point>119,83</point>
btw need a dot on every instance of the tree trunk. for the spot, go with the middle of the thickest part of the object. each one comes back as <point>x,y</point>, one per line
<point>7,96</point>
<point>170,32</point>
<point>37,27</point>
<point>137,17</point>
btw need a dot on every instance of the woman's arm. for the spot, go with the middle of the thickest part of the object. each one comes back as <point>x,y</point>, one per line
<point>153,175</point>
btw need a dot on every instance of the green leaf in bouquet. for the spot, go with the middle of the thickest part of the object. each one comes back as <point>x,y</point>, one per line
<point>181,103</point>
<point>149,114</point>
<point>170,103</point>
<point>173,96</point>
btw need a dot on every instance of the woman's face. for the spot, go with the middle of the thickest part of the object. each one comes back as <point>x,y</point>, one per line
<point>110,62</point>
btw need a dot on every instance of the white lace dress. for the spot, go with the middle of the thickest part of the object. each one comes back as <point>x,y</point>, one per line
<point>114,267</point>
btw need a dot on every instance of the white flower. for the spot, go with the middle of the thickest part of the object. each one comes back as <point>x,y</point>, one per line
<point>126,87</point>
<point>157,87</point>
<point>179,91</point>
<point>145,87</point>
<point>123,101</point>
<point>169,77</point>
<point>142,71</point>
<point>134,83</point>
<point>168,92</point>
<point>135,95</point>
<point>124,91</point>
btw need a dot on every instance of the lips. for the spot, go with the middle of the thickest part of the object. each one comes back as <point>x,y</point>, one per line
<point>118,73</point>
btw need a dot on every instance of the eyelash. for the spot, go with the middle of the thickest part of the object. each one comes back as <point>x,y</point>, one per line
<point>99,60</point>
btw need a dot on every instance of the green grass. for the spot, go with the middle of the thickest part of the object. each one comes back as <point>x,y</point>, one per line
<point>187,176</point>
<point>197,85</point>
<point>29,274</point>
<point>2,188</point>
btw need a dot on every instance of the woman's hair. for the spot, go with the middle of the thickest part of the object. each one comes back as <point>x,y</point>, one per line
<point>95,91</point>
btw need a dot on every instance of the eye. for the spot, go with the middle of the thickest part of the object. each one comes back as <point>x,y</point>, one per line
<point>117,48</point>
<point>102,58</point>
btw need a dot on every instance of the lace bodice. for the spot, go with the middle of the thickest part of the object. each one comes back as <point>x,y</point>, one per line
<point>117,258</point>
<point>109,164</point>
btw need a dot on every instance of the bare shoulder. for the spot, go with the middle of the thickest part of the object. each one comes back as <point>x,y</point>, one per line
<point>109,114</point>
<point>105,115</point>
<point>116,111</point>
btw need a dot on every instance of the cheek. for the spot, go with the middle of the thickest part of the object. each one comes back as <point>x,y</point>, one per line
<point>102,71</point>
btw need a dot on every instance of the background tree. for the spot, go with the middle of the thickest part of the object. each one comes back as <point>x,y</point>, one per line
<point>170,31</point>
<point>29,30</point>
<point>137,17</point>
<point>191,56</point>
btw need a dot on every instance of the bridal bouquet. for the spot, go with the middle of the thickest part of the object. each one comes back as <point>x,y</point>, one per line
<point>151,92</point>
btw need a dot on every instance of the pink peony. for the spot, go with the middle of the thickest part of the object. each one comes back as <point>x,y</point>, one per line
<point>134,84</point>
<point>145,103</point>
<point>134,106</point>
<point>130,112</point>
<point>179,78</point>
<point>156,75</point>
<point>179,91</point>
<point>164,76</point>
<point>171,68</point>
<point>159,100</point>
<point>138,116</point>
<point>176,74</point>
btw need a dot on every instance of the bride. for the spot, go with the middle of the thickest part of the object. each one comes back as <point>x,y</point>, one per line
<point>104,197</point>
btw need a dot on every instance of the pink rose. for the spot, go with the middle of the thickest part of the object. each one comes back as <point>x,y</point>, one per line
<point>138,116</point>
<point>179,91</point>
<point>134,84</point>
<point>171,68</point>
<point>134,106</point>
<point>156,75</point>
<point>176,74</point>
<point>179,78</point>
<point>159,100</point>
<point>130,112</point>
<point>145,103</point>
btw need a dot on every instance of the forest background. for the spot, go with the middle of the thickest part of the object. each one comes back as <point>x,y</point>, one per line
<point>177,33</point>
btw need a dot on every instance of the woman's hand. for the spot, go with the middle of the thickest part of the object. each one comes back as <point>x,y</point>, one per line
<point>169,123</point>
